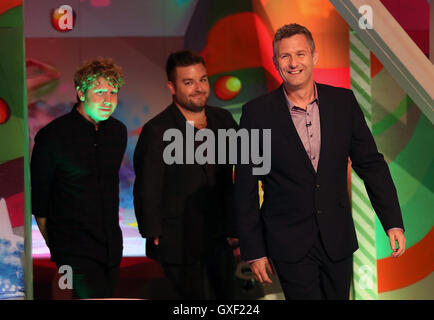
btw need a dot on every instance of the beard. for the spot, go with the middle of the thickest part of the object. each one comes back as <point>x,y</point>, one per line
<point>192,106</point>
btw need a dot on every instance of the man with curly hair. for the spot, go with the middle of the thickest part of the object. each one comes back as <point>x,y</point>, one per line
<point>75,182</point>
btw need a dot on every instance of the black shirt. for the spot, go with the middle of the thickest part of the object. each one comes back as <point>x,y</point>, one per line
<point>75,185</point>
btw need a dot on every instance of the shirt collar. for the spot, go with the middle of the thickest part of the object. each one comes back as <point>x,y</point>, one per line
<point>83,120</point>
<point>292,105</point>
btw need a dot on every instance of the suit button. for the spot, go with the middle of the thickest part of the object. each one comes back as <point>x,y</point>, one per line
<point>318,211</point>
<point>317,186</point>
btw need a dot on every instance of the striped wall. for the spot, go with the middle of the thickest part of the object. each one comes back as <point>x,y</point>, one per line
<point>364,259</point>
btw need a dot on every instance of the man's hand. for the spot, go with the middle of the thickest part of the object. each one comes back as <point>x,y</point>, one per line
<point>396,235</point>
<point>42,225</point>
<point>261,268</point>
<point>156,240</point>
<point>235,245</point>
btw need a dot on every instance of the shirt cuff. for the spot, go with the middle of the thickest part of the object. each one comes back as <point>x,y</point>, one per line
<point>396,228</point>
<point>251,261</point>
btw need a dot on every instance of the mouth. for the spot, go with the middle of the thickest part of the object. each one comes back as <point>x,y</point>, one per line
<point>295,72</point>
<point>105,109</point>
<point>201,95</point>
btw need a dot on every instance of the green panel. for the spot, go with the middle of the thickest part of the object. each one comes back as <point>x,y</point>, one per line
<point>393,117</point>
<point>11,69</point>
<point>12,18</point>
<point>12,147</point>
<point>13,91</point>
<point>413,174</point>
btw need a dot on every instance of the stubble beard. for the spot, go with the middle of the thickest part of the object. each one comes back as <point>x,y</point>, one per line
<point>191,106</point>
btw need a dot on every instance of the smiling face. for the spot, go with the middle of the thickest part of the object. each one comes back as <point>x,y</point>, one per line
<point>99,101</point>
<point>190,88</point>
<point>295,60</point>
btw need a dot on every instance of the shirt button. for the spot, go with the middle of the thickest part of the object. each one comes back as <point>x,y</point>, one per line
<point>311,135</point>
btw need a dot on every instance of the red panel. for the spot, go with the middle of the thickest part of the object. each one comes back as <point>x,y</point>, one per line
<point>233,44</point>
<point>266,49</point>
<point>413,16</point>
<point>338,77</point>
<point>415,264</point>
<point>6,5</point>
<point>376,65</point>
<point>15,206</point>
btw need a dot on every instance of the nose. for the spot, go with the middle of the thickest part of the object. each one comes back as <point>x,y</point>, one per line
<point>293,63</point>
<point>199,87</point>
<point>108,99</point>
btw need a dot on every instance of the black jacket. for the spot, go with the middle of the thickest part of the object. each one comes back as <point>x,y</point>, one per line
<point>299,202</point>
<point>189,206</point>
<point>75,185</point>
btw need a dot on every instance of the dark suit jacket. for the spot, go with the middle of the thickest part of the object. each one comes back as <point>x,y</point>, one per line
<point>189,206</point>
<point>299,202</point>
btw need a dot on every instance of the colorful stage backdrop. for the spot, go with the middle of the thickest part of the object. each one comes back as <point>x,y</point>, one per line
<point>235,39</point>
<point>14,181</point>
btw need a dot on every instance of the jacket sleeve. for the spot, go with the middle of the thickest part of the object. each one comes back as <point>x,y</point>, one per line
<point>42,169</point>
<point>228,193</point>
<point>148,186</point>
<point>371,167</point>
<point>248,220</point>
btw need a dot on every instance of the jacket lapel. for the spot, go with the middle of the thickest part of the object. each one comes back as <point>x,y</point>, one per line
<point>326,120</point>
<point>178,118</point>
<point>284,119</point>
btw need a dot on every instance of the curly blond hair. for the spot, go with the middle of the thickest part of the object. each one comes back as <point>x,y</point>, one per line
<point>87,73</point>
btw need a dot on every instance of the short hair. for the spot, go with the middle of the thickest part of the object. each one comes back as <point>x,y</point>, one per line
<point>89,71</point>
<point>182,58</point>
<point>290,30</point>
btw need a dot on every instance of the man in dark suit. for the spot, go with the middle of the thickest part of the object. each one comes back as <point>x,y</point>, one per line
<point>185,210</point>
<point>305,224</point>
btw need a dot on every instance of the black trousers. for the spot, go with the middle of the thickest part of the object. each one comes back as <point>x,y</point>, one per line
<point>91,279</point>
<point>211,278</point>
<point>316,276</point>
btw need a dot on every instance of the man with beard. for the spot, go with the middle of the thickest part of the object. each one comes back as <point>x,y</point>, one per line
<point>75,182</point>
<point>185,211</point>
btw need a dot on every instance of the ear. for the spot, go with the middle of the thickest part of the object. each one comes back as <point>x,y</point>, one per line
<point>275,63</point>
<point>171,87</point>
<point>80,93</point>
<point>315,57</point>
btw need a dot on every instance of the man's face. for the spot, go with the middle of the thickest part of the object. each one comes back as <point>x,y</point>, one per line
<point>191,88</point>
<point>100,100</point>
<point>295,61</point>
